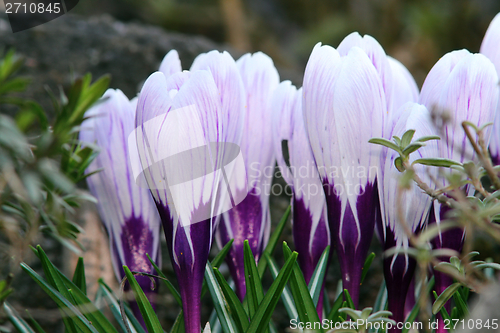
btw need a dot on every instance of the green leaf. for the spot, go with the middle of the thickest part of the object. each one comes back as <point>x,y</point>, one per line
<point>385,143</point>
<point>96,317</point>
<point>286,296</point>
<point>178,326</point>
<point>218,260</point>
<point>62,302</point>
<point>220,303</point>
<point>444,297</point>
<point>261,319</point>
<point>397,139</point>
<point>273,241</point>
<point>411,317</point>
<point>348,299</point>
<point>79,276</point>
<point>406,138</point>
<point>239,314</point>
<point>316,283</point>
<point>169,284</point>
<point>428,138</point>
<point>366,266</point>
<point>334,312</point>
<point>412,148</point>
<point>303,301</point>
<point>437,162</point>
<point>148,314</point>
<point>34,323</point>
<point>116,311</point>
<point>254,294</point>
<point>462,308</point>
<point>19,323</point>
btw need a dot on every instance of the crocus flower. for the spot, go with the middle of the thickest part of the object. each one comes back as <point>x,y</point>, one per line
<point>250,220</point>
<point>127,210</point>
<point>412,204</point>
<point>311,232</point>
<point>466,86</point>
<point>343,106</point>
<point>186,140</point>
<point>490,48</point>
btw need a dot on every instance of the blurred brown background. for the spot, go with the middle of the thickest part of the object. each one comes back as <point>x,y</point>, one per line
<point>417,32</point>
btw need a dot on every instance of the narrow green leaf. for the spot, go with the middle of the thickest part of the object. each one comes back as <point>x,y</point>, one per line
<point>19,323</point>
<point>69,309</point>
<point>316,283</point>
<point>239,314</point>
<point>366,266</point>
<point>411,317</point>
<point>273,241</point>
<point>260,321</point>
<point>334,312</point>
<point>437,162</point>
<point>442,311</point>
<point>98,320</point>
<point>385,143</point>
<point>412,148</point>
<point>79,276</point>
<point>406,138</point>
<point>444,297</point>
<point>286,296</point>
<point>428,138</point>
<point>178,326</point>
<point>218,260</point>
<point>348,299</point>
<point>254,294</point>
<point>303,301</point>
<point>169,284</point>
<point>462,308</point>
<point>112,301</point>
<point>148,314</point>
<point>34,323</point>
<point>220,303</point>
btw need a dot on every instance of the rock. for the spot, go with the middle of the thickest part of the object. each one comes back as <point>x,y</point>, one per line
<point>72,45</point>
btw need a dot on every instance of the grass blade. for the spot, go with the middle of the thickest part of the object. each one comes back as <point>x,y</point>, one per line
<point>148,314</point>
<point>260,321</point>
<point>316,283</point>
<point>254,294</point>
<point>286,296</point>
<point>273,241</point>
<point>169,284</point>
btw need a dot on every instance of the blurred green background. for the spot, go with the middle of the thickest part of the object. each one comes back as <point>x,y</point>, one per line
<point>416,32</point>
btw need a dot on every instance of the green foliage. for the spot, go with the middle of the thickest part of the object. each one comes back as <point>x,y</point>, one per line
<point>41,160</point>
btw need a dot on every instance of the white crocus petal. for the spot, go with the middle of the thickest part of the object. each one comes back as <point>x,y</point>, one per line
<point>405,87</point>
<point>170,64</point>
<point>469,93</point>
<point>378,58</point>
<point>231,90</point>
<point>260,79</point>
<point>282,104</point>
<point>320,72</point>
<point>120,199</point>
<point>490,48</point>
<point>414,203</point>
<point>435,80</point>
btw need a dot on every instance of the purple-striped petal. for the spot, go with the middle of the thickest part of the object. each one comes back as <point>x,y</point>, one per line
<point>170,64</point>
<point>179,134</point>
<point>127,210</point>
<point>414,205</point>
<point>338,92</point>
<point>489,48</point>
<point>311,232</point>
<point>250,219</point>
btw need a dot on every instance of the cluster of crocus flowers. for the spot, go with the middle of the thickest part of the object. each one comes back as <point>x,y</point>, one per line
<point>127,210</point>
<point>311,233</point>
<point>204,143</point>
